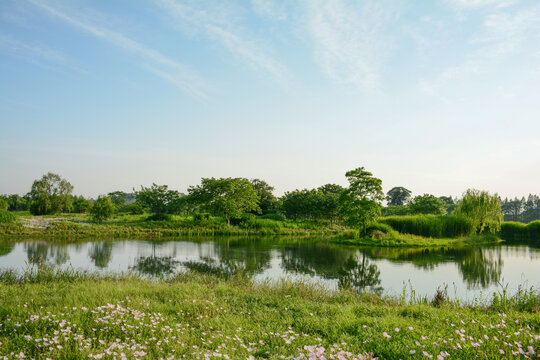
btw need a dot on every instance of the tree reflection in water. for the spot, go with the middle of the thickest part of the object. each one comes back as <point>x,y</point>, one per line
<point>155,266</point>
<point>6,247</point>
<point>44,253</point>
<point>101,253</point>
<point>234,256</point>
<point>333,263</point>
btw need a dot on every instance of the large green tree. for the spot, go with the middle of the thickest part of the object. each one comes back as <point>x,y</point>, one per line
<point>427,204</point>
<point>360,203</point>
<point>50,194</point>
<point>398,196</point>
<point>228,197</point>
<point>267,200</point>
<point>157,198</point>
<point>482,208</point>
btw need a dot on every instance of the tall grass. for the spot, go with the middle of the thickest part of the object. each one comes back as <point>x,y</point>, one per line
<point>435,226</point>
<point>516,232</point>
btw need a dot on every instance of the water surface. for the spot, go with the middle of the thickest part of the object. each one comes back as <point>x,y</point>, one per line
<point>467,273</point>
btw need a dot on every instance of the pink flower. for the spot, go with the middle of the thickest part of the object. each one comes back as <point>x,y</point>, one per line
<point>385,334</point>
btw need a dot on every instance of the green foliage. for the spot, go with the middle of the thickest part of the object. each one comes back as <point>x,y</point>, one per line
<point>157,198</point>
<point>301,204</point>
<point>49,195</point>
<point>4,205</point>
<point>395,210</point>
<point>102,209</point>
<point>360,202</point>
<point>436,226</point>
<point>201,218</point>
<point>275,217</point>
<point>228,197</point>
<point>516,232</point>
<point>7,217</point>
<point>17,203</point>
<point>119,198</point>
<point>134,209</point>
<point>483,209</point>
<point>398,196</point>
<point>267,200</point>
<point>159,217</point>
<point>427,204</point>
<point>81,205</point>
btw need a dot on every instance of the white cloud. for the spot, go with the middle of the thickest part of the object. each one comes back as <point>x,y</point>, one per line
<point>220,26</point>
<point>350,40</point>
<point>270,9</point>
<point>173,71</point>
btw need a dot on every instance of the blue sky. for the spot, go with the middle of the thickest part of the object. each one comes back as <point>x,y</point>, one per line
<point>436,96</point>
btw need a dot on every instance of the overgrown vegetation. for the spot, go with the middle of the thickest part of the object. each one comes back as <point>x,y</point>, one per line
<point>435,226</point>
<point>65,314</point>
<point>517,232</point>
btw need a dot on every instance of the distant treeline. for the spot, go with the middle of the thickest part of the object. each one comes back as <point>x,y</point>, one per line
<point>522,210</point>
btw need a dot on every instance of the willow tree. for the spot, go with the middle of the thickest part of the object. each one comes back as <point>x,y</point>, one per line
<point>50,194</point>
<point>482,208</point>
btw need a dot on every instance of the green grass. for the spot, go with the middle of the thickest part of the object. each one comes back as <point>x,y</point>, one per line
<point>407,240</point>
<point>68,315</point>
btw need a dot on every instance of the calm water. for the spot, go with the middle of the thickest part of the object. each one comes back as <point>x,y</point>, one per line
<point>469,273</point>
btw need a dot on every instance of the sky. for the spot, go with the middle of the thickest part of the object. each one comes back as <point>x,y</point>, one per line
<point>436,96</point>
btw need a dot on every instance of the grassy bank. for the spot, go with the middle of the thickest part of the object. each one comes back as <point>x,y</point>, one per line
<point>70,315</point>
<point>520,233</point>
<point>406,240</point>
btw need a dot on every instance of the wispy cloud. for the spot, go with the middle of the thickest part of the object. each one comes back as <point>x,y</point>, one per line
<point>36,53</point>
<point>351,39</point>
<point>166,68</point>
<point>474,4</point>
<point>220,26</point>
<point>503,35</point>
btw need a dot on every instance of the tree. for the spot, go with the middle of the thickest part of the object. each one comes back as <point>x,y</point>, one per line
<point>329,206</point>
<point>360,203</point>
<point>450,203</point>
<point>49,195</point>
<point>228,197</point>
<point>4,204</point>
<point>398,196</point>
<point>482,208</point>
<point>81,205</point>
<point>427,204</point>
<point>267,200</point>
<point>102,209</point>
<point>157,198</point>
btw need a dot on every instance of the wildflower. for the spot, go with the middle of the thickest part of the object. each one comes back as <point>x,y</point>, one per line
<point>397,329</point>
<point>385,334</point>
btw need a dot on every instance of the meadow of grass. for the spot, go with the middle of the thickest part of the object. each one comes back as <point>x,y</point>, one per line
<point>55,314</point>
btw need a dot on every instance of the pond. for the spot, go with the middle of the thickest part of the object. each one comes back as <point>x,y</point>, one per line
<point>468,273</point>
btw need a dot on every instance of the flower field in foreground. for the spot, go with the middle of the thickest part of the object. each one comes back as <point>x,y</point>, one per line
<point>196,317</point>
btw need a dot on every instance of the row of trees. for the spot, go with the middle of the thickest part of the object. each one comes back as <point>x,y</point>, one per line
<point>524,210</point>
<point>356,205</point>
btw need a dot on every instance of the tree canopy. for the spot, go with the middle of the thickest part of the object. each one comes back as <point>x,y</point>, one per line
<point>361,202</point>
<point>267,200</point>
<point>427,204</point>
<point>157,198</point>
<point>398,196</point>
<point>482,208</point>
<point>102,209</point>
<point>50,194</point>
<point>228,197</point>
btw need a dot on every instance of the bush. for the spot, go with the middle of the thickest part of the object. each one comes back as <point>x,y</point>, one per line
<point>245,220</point>
<point>159,217</point>
<point>516,232</point>
<point>276,217</point>
<point>7,218</point>
<point>201,218</point>
<point>436,226</point>
<point>384,228</point>
<point>133,209</point>
<point>102,209</point>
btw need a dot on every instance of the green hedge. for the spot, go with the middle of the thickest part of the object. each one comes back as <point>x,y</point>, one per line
<point>516,232</point>
<point>435,226</point>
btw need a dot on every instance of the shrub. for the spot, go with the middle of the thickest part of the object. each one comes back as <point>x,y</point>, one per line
<point>245,220</point>
<point>159,217</point>
<point>3,204</point>
<point>276,217</point>
<point>384,228</point>
<point>201,218</point>
<point>102,209</point>
<point>133,209</point>
<point>516,232</point>
<point>7,218</point>
<point>436,226</point>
